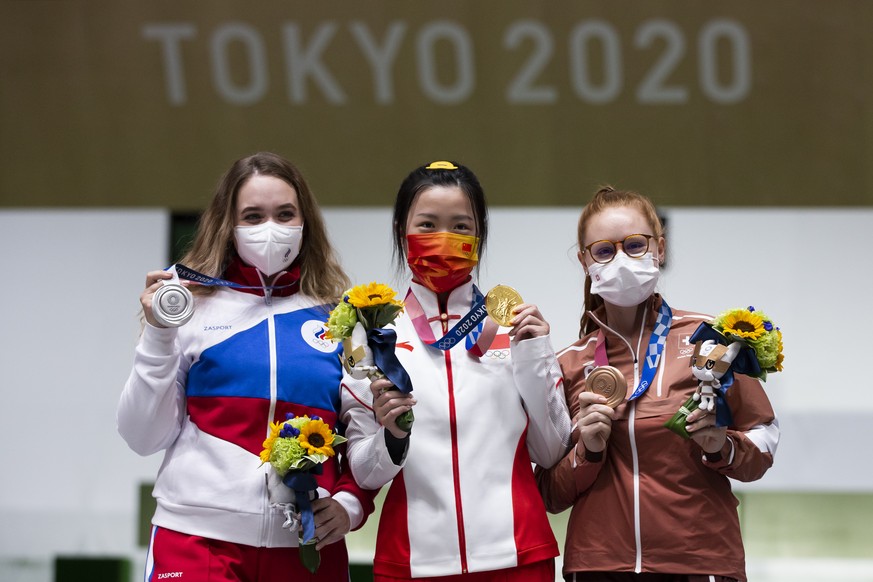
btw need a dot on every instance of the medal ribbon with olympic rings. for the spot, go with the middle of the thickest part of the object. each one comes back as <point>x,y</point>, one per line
<point>478,333</point>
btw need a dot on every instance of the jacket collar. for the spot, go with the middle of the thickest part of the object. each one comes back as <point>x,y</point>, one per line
<point>653,305</point>
<point>286,283</point>
<point>458,304</point>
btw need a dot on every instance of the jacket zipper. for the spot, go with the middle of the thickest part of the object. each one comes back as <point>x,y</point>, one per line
<point>638,557</point>
<point>456,470</point>
<point>271,337</point>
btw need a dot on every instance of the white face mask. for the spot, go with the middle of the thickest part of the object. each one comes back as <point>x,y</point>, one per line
<point>624,281</point>
<point>268,246</point>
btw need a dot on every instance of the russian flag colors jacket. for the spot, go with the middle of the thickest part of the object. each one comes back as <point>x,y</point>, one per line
<point>464,498</point>
<point>205,394</point>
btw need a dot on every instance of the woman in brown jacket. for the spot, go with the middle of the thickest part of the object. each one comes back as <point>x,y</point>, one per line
<point>648,505</point>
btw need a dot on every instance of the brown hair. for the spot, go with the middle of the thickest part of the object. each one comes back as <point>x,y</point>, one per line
<point>608,197</point>
<point>213,248</point>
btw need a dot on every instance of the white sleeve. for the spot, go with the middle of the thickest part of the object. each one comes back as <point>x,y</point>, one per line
<point>352,506</point>
<point>371,464</point>
<point>152,405</point>
<point>539,381</point>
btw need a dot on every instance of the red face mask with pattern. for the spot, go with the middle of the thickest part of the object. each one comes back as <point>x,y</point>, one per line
<point>441,261</point>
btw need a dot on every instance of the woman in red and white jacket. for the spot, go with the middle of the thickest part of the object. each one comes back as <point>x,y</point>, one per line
<point>463,503</point>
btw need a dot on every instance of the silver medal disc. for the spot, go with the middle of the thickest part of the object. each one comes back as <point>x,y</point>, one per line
<point>172,305</point>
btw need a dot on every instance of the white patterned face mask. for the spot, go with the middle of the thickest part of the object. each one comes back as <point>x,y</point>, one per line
<point>625,281</point>
<point>268,246</point>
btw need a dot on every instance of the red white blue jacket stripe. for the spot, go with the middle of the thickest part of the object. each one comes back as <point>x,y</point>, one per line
<point>205,394</point>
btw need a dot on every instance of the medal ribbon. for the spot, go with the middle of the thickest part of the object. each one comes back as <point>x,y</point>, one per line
<point>190,274</point>
<point>478,333</point>
<point>657,341</point>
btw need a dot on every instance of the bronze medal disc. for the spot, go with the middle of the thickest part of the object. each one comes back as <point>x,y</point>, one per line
<point>608,382</point>
<point>501,302</point>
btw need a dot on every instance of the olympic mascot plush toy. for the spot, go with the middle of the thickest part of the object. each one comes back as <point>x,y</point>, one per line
<point>710,362</point>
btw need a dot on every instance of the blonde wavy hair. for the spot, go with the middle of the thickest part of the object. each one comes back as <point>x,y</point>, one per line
<point>212,249</point>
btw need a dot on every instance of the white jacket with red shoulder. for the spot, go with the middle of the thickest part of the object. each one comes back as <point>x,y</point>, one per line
<point>464,498</point>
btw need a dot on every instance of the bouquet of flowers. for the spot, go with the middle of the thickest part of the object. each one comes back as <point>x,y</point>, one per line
<point>296,449</point>
<point>737,340</point>
<point>754,329</point>
<point>368,348</point>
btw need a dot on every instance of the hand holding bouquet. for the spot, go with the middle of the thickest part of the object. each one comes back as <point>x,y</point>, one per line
<point>296,449</point>
<point>737,340</point>
<point>368,348</point>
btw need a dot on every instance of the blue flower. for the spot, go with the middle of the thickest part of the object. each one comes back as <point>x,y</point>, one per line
<point>768,326</point>
<point>288,431</point>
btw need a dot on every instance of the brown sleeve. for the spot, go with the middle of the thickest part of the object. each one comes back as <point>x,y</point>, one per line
<point>556,485</point>
<point>754,433</point>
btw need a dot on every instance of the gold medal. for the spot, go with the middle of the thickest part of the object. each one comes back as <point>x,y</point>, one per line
<point>608,382</point>
<point>501,302</point>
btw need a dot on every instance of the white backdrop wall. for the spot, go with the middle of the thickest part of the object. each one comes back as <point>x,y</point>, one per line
<point>70,322</point>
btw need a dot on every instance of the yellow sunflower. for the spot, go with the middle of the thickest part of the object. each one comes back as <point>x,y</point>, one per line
<point>781,356</point>
<point>317,438</point>
<point>372,295</point>
<point>742,323</point>
<point>275,427</point>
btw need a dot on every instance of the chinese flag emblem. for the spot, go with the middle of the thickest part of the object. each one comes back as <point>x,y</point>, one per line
<point>467,247</point>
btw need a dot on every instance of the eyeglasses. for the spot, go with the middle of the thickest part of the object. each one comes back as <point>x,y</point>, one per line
<point>634,246</point>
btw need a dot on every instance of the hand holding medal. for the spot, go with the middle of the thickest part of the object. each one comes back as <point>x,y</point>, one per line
<point>595,417</point>
<point>505,305</point>
<point>171,304</point>
<point>501,302</point>
<point>609,382</point>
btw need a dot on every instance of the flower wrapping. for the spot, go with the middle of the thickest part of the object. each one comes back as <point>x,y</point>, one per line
<point>296,449</point>
<point>753,347</point>
<point>359,321</point>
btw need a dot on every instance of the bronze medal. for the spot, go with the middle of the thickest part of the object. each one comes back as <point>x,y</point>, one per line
<point>608,382</point>
<point>501,302</point>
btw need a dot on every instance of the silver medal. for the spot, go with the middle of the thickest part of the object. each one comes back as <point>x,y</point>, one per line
<point>173,304</point>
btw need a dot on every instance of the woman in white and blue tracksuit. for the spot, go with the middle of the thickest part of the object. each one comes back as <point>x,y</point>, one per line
<point>253,352</point>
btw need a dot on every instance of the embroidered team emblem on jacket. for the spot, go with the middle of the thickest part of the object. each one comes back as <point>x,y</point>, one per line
<point>313,332</point>
<point>686,348</point>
